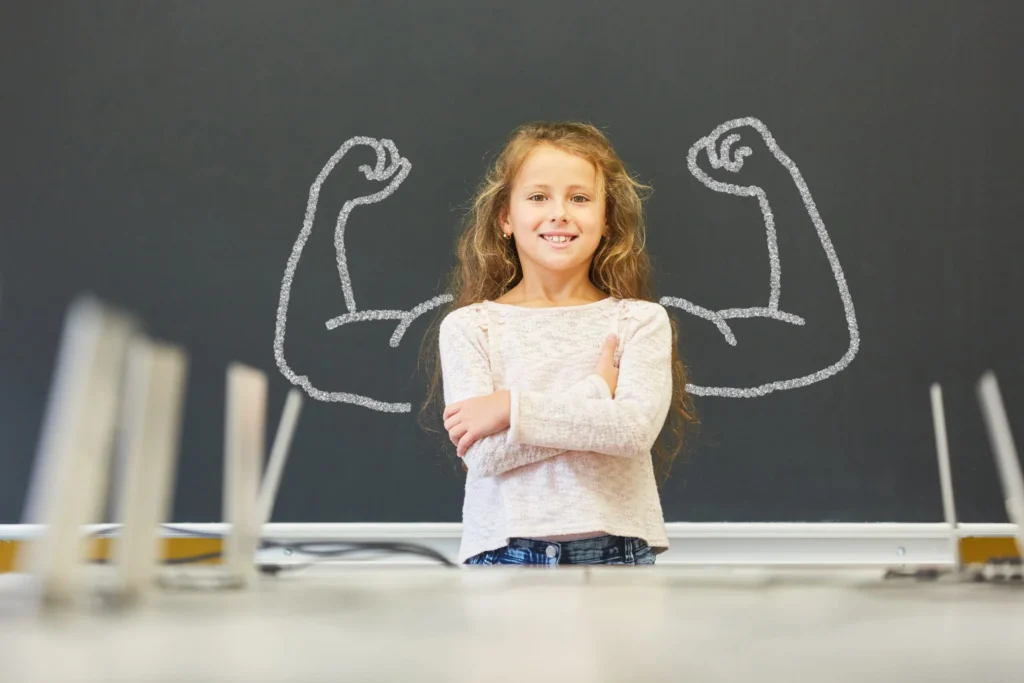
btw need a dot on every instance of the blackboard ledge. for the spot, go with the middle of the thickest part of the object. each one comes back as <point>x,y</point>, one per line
<point>881,544</point>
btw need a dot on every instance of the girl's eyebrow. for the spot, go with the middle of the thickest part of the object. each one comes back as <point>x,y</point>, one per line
<point>542,186</point>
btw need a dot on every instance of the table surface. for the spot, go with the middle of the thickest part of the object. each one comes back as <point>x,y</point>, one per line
<point>416,623</point>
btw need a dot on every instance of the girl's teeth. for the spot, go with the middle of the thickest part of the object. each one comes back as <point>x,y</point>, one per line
<point>557,238</point>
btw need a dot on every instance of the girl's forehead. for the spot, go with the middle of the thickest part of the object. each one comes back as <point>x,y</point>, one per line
<point>547,164</point>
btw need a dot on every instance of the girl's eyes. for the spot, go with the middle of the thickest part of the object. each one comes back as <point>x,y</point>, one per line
<point>581,197</point>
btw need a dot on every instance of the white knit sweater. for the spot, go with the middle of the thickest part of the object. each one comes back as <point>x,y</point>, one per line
<point>574,460</point>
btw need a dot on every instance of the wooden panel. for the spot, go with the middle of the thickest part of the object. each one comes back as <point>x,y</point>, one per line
<point>174,548</point>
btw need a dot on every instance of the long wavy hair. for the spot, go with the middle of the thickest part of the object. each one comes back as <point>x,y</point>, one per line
<point>488,264</point>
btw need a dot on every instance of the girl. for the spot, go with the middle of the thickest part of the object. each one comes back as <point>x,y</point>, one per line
<point>558,369</point>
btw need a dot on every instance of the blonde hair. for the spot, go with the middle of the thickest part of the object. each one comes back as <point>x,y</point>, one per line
<point>488,264</point>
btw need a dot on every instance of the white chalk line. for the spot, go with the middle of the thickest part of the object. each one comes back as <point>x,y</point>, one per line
<point>395,172</point>
<point>721,159</point>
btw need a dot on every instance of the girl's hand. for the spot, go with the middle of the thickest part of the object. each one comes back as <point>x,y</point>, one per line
<point>475,418</point>
<point>607,367</point>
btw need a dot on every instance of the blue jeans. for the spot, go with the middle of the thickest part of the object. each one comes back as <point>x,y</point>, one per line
<point>600,550</point>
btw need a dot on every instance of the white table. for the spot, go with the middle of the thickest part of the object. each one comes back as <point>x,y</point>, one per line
<point>476,624</point>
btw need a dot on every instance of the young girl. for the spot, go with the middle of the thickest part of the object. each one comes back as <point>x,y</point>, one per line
<point>558,369</point>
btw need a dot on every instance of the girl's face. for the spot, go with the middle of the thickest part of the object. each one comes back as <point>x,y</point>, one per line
<point>556,212</point>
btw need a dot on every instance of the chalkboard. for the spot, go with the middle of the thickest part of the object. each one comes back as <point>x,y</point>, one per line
<point>162,155</point>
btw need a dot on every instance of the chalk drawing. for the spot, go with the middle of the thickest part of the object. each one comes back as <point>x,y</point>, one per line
<point>721,158</point>
<point>394,172</point>
<point>393,168</point>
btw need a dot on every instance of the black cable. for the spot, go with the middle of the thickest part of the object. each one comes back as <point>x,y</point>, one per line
<point>326,554</point>
<point>181,531</point>
<point>193,558</point>
<point>323,549</point>
<point>309,548</point>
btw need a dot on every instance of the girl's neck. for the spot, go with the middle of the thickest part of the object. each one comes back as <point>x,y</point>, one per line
<point>530,292</point>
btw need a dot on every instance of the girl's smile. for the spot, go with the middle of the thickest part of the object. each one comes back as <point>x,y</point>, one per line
<point>558,239</point>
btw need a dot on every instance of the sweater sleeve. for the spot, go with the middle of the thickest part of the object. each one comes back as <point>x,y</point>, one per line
<point>626,426</point>
<point>466,373</point>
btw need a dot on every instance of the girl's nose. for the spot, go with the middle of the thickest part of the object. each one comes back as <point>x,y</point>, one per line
<point>560,215</point>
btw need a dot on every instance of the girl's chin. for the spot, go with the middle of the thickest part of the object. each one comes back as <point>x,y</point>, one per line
<point>560,261</point>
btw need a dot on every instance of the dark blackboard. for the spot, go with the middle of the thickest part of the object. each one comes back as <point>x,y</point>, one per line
<point>161,154</point>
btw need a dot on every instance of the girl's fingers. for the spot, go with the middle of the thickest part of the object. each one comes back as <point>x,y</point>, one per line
<point>464,443</point>
<point>451,410</point>
<point>456,433</point>
<point>451,421</point>
<point>608,351</point>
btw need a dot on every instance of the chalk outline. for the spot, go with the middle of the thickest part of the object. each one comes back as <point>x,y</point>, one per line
<point>721,159</point>
<point>397,171</point>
